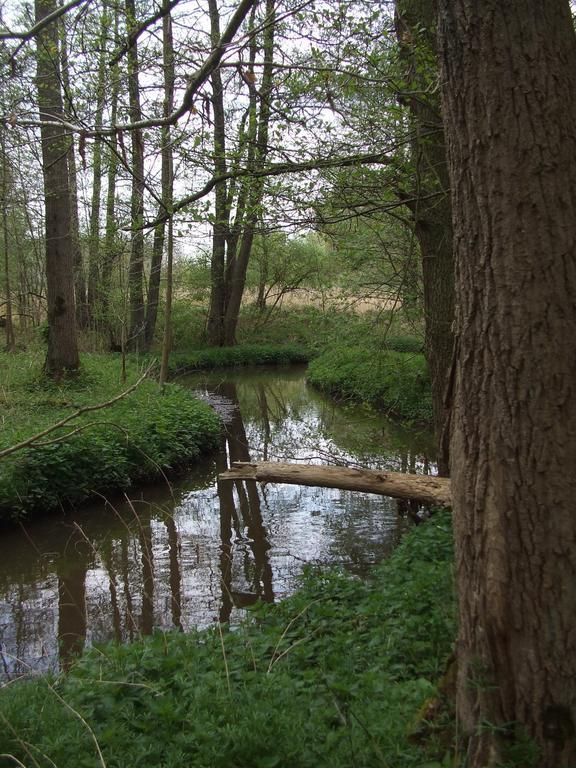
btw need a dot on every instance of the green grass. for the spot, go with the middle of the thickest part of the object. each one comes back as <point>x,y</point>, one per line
<point>334,676</point>
<point>141,435</point>
<point>396,382</point>
<point>311,328</point>
<point>316,330</point>
<point>242,355</point>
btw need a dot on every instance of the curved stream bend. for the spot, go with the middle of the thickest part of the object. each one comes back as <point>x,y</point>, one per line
<point>184,556</point>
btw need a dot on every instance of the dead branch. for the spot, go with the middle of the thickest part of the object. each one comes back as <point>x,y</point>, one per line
<point>425,488</point>
<point>85,409</point>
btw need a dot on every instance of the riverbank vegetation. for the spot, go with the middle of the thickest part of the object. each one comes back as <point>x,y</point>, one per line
<point>345,672</point>
<point>212,358</point>
<point>394,382</point>
<point>150,432</point>
<point>143,435</point>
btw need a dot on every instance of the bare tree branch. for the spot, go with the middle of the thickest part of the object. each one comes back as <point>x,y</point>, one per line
<point>135,34</point>
<point>276,169</point>
<point>85,409</point>
<point>28,34</point>
<point>195,82</point>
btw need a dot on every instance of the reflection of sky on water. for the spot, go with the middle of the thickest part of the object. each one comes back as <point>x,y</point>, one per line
<point>202,552</point>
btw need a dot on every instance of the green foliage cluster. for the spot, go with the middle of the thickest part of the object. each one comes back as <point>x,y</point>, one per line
<point>317,328</point>
<point>404,343</point>
<point>245,354</point>
<point>311,326</point>
<point>397,382</point>
<point>333,676</point>
<point>134,439</point>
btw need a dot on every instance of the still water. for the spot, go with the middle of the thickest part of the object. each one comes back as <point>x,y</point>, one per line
<point>190,552</point>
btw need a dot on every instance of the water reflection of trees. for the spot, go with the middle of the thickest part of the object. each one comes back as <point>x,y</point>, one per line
<point>245,515</point>
<point>122,569</point>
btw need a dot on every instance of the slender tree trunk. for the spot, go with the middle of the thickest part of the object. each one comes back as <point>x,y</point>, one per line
<point>94,236</point>
<point>239,264</point>
<point>167,184</point>
<point>220,230</point>
<point>62,352</point>
<point>167,338</point>
<point>79,281</point>
<point>110,246</point>
<point>9,327</point>
<point>136,268</point>
<point>509,89</point>
<point>431,209</point>
<point>155,275</point>
<point>263,274</point>
<point>168,188</point>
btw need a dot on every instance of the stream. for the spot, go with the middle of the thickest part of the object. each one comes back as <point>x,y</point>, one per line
<point>189,552</point>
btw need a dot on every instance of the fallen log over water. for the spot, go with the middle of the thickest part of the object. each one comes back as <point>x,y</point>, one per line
<point>424,488</point>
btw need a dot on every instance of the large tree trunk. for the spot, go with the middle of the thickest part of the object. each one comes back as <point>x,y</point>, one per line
<point>509,86</point>
<point>430,206</point>
<point>62,352</point>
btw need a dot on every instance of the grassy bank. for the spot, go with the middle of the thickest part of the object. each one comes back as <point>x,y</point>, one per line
<point>136,438</point>
<point>334,676</point>
<point>242,355</point>
<point>308,327</point>
<point>394,381</point>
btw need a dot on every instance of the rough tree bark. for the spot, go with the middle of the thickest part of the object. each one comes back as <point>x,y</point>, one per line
<point>430,199</point>
<point>62,352</point>
<point>509,95</point>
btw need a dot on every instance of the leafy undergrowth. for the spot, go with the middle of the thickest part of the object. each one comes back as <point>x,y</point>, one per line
<point>132,440</point>
<point>394,381</point>
<point>316,329</point>
<point>228,357</point>
<point>308,327</point>
<point>333,676</point>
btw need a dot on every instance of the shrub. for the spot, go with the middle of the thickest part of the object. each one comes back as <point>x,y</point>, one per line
<point>111,448</point>
<point>394,381</point>
<point>246,354</point>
